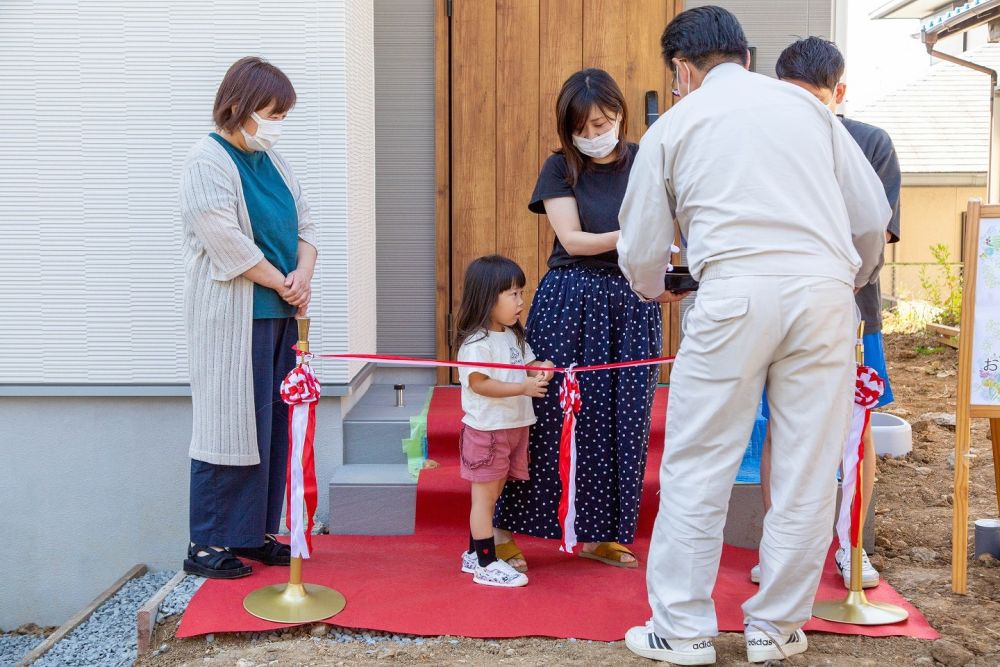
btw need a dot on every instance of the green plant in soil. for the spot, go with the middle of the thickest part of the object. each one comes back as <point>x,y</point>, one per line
<point>942,286</point>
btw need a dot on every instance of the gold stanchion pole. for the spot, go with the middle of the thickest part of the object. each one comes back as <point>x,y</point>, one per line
<point>295,602</point>
<point>856,608</point>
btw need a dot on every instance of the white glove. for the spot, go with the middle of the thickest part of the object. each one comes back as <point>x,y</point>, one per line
<point>673,249</point>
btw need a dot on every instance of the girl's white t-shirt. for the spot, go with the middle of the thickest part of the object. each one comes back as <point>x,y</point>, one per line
<point>492,414</point>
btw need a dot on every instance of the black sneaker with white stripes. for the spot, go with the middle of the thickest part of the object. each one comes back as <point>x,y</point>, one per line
<point>642,640</point>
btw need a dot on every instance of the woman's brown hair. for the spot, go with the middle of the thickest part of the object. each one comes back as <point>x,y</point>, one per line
<point>250,84</point>
<point>579,95</point>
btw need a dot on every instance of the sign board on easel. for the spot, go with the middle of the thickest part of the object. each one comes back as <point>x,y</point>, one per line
<point>978,367</point>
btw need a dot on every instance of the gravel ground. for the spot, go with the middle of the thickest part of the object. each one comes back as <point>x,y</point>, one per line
<point>108,637</point>
<point>13,647</point>
<point>177,600</point>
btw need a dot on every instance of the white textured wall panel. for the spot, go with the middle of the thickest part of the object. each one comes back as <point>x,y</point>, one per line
<point>100,102</point>
<point>361,292</point>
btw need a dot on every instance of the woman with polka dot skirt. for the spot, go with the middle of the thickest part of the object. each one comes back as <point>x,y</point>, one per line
<point>584,312</point>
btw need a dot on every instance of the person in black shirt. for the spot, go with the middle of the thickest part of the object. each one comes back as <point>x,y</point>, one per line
<point>585,313</point>
<point>817,65</point>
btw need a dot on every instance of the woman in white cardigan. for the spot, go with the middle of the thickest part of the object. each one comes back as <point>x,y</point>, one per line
<point>249,255</point>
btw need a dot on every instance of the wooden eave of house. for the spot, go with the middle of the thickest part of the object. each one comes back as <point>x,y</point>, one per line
<point>908,9</point>
<point>941,19</point>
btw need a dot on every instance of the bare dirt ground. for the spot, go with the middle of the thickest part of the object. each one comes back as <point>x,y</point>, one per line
<point>913,553</point>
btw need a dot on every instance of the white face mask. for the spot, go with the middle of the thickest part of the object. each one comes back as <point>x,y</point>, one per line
<point>600,146</point>
<point>677,79</point>
<point>267,134</point>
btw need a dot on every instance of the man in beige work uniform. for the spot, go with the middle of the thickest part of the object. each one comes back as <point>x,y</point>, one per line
<point>783,218</point>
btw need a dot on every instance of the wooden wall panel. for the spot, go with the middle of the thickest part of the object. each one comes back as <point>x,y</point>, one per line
<point>473,136</point>
<point>605,37</point>
<point>517,100</point>
<point>644,66</point>
<point>500,66</point>
<point>560,53</point>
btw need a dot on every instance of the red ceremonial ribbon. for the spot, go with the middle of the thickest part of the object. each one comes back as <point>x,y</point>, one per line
<point>569,399</point>
<point>301,390</point>
<point>435,363</point>
<point>868,388</point>
<point>856,501</point>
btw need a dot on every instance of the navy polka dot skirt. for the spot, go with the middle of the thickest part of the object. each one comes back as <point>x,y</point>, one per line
<point>589,316</point>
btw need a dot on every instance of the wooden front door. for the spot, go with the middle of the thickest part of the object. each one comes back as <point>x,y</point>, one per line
<point>500,64</point>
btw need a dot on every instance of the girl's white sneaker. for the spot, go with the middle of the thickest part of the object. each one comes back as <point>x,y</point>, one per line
<point>470,561</point>
<point>499,573</point>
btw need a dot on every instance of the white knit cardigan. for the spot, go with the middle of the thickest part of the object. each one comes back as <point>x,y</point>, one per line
<point>218,301</point>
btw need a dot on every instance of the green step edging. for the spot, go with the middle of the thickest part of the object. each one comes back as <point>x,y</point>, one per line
<point>415,446</point>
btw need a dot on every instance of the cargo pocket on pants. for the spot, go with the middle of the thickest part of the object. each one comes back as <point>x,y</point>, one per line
<point>726,308</point>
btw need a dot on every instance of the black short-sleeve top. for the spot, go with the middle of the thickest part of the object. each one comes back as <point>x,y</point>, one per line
<point>599,192</point>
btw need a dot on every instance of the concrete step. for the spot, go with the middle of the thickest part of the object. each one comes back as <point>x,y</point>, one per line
<point>380,499</point>
<point>372,499</point>
<point>746,518</point>
<point>374,428</point>
<point>375,441</point>
<point>379,403</point>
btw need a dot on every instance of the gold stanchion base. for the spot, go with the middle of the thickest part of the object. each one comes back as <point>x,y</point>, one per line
<point>857,610</point>
<point>294,603</point>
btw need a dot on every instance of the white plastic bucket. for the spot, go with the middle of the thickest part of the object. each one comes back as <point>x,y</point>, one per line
<point>892,435</point>
<point>988,537</point>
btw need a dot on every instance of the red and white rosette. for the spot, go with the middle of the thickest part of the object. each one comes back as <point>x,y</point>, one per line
<point>868,389</point>
<point>570,401</point>
<point>300,390</point>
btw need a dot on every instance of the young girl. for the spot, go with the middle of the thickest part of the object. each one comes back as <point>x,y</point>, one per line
<point>497,404</point>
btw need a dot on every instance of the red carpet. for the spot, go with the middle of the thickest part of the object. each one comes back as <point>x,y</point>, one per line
<point>412,584</point>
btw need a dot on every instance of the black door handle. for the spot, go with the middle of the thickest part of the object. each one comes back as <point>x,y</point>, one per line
<point>652,107</point>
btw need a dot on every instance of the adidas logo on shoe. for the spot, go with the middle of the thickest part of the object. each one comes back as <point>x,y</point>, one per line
<point>762,646</point>
<point>643,641</point>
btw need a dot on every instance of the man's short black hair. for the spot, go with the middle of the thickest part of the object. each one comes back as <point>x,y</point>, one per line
<point>812,60</point>
<point>705,36</point>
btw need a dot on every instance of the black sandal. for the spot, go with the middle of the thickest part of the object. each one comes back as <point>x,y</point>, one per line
<point>216,563</point>
<point>272,552</point>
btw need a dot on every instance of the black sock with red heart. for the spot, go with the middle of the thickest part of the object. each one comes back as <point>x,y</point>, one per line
<point>485,551</point>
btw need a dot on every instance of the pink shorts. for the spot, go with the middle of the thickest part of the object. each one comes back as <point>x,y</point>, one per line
<point>491,455</point>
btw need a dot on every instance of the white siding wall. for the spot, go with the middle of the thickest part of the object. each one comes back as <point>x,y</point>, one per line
<point>100,102</point>
<point>360,54</point>
<point>771,25</point>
